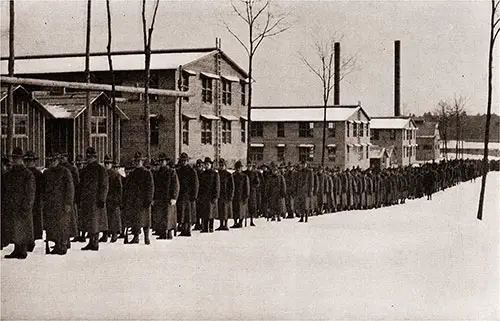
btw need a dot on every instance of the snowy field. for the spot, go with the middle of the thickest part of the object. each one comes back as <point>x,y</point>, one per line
<point>425,260</point>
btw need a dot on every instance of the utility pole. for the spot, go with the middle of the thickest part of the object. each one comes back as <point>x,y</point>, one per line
<point>88,129</point>
<point>10,93</point>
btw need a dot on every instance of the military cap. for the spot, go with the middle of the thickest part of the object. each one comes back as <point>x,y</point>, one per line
<point>138,156</point>
<point>29,155</point>
<point>184,156</point>
<point>238,165</point>
<point>17,152</point>
<point>208,160</point>
<point>90,151</point>
<point>79,158</point>
<point>162,157</point>
<point>199,161</point>
<point>222,161</point>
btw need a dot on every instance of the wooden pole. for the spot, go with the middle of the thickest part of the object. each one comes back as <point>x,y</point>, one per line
<point>93,87</point>
<point>88,119</point>
<point>116,140</point>
<point>10,93</point>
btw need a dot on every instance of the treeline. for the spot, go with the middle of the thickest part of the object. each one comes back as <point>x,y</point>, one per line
<point>471,127</point>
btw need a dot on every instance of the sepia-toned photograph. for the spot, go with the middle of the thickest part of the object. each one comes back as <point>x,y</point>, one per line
<point>250,160</point>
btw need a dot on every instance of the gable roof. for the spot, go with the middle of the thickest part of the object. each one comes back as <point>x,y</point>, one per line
<point>427,129</point>
<point>122,61</point>
<point>377,151</point>
<point>70,106</point>
<point>314,113</point>
<point>392,123</point>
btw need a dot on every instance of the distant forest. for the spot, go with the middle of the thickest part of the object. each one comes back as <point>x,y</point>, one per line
<point>471,127</point>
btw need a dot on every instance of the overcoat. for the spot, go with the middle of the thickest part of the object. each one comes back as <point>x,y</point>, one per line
<point>114,201</point>
<point>18,197</point>
<point>94,186</point>
<point>75,224</point>
<point>137,199</point>
<point>188,192</point>
<point>226,195</point>
<point>304,190</point>
<point>208,194</point>
<point>322,188</point>
<point>241,195</point>
<point>58,194</point>
<point>253,198</point>
<point>166,189</point>
<point>37,205</point>
<point>276,193</point>
<point>291,189</point>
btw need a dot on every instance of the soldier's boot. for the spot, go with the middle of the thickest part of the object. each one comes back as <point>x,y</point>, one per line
<point>211,225</point>
<point>83,238</point>
<point>225,228</point>
<point>306,218</point>
<point>104,237</point>
<point>301,218</point>
<point>14,253</point>
<point>204,223</point>
<point>169,235</point>
<point>197,226</point>
<point>251,221</point>
<point>114,237</point>
<point>31,247</point>
<point>186,231</point>
<point>235,224</point>
<point>135,239</point>
<point>146,236</point>
<point>162,235</point>
<point>93,243</point>
<point>125,236</point>
<point>221,226</point>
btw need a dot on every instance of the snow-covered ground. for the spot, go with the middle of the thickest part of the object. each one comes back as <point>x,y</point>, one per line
<point>425,260</point>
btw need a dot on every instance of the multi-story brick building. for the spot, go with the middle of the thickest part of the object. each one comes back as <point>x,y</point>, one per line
<point>399,133</point>
<point>211,123</point>
<point>293,134</point>
<point>428,141</point>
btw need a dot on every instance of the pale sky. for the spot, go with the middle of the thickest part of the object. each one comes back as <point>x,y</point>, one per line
<point>444,45</point>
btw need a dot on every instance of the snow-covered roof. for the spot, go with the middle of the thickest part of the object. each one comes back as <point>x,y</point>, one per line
<point>291,114</point>
<point>392,123</point>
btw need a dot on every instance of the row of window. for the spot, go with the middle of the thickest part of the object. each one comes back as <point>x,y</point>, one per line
<point>407,134</point>
<point>306,129</point>
<point>409,151</point>
<point>207,91</point>
<point>256,154</point>
<point>206,131</point>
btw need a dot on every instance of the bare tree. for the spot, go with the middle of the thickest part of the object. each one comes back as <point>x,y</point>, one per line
<point>147,35</point>
<point>494,29</point>
<point>262,22</point>
<point>116,150</point>
<point>444,118</point>
<point>323,67</point>
<point>457,109</point>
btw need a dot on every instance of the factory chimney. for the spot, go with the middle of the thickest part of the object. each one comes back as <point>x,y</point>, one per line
<point>397,78</point>
<point>336,88</point>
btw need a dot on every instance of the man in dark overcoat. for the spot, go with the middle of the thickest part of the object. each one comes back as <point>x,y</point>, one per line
<point>225,207</point>
<point>113,201</point>
<point>165,198</point>
<point>303,196</point>
<point>63,160</point>
<point>254,196</point>
<point>137,199</point>
<point>276,193</point>
<point>188,192</point>
<point>241,195</point>
<point>18,195</point>
<point>30,159</point>
<point>195,216</point>
<point>322,189</point>
<point>93,191</point>
<point>291,189</point>
<point>208,195</point>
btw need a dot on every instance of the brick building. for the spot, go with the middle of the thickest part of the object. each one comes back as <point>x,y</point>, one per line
<point>400,133</point>
<point>428,141</point>
<point>211,123</point>
<point>292,134</point>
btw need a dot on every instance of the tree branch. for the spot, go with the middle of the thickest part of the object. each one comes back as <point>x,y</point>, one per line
<point>236,37</point>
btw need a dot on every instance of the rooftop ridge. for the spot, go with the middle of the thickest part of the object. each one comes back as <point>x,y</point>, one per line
<point>113,53</point>
<point>306,106</point>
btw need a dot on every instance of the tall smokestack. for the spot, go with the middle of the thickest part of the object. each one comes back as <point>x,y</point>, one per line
<point>336,88</point>
<point>397,75</point>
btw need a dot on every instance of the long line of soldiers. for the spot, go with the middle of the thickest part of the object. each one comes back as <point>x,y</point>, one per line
<point>85,200</point>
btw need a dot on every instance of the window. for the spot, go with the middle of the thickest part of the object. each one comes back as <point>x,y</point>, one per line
<point>411,151</point>
<point>4,125</point>
<point>243,94</point>
<point>281,153</point>
<point>361,152</point>
<point>154,130</point>
<point>306,129</point>
<point>185,131</point>
<point>331,129</point>
<point>332,153</point>
<point>306,154</point>
<point>393,134</point>
<point>348,152</point>
<point>281,129</point>
<point>367,152</point>
<point>226,92</point>
<point>361,130</point>
<point>226,131</point>
<point>99,119</point>
<point>206,131</point>
<point>185,85</point>
<point>256,129</point>
<point>243,130</point>
<point>206,90</point>
<point>348,128</point>
<point>354,130</point>
<point>375,134</point>
<point>256,154</point>
<point>20,124</point>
